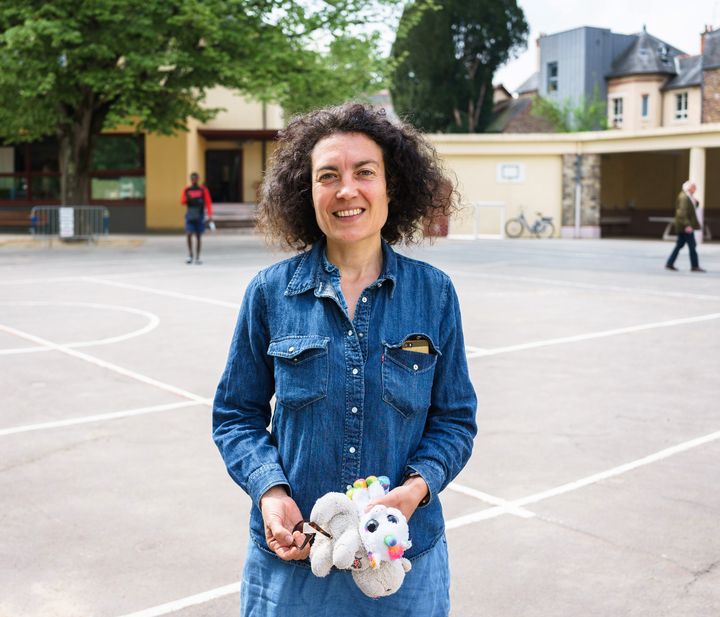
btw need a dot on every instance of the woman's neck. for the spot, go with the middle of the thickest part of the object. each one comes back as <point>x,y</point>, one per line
<point>357,261</point>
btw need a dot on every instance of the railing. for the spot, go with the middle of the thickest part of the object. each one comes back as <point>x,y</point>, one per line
<point>477,208</point>
<point>69,222</point>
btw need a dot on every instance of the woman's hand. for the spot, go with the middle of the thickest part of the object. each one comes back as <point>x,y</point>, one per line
<point>405,498</point>
<point>280,514</point>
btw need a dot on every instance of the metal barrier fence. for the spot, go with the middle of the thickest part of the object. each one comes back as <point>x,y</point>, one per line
<point>69,222</point>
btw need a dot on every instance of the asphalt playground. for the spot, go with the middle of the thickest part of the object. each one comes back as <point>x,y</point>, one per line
<point>592,490</point>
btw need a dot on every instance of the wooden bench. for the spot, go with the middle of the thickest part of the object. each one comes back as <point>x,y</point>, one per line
<point>234,216</point>
<point>14,219</point>
<point>615,222</point>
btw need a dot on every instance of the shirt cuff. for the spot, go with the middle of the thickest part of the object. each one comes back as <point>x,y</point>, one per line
<point>263,479</point>
<point>434,478</point>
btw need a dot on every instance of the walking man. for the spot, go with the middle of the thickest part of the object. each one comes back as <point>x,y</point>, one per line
<point>197,199</point>
<point>686,221</point>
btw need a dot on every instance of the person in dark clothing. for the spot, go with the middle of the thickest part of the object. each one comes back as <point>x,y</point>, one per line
<point>686,221</point>
<point>199,205</point>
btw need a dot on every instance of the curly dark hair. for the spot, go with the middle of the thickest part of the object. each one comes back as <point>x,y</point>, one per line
<point>417,186</point>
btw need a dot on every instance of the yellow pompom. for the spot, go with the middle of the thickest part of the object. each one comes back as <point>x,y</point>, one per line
<point>360,483</point>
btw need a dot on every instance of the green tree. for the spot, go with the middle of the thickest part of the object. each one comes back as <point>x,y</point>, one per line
<point>71,69</point>
<point>568,117</point>
<point>446,59</point>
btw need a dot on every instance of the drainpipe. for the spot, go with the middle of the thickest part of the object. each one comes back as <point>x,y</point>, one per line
<point>578,192</point>
<point>263,143</point>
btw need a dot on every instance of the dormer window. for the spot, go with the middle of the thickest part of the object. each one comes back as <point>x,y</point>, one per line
<point>681,106</point>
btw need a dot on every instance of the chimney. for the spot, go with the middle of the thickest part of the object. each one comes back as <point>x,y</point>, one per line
<point>708,29</point>
<point>537,51</point>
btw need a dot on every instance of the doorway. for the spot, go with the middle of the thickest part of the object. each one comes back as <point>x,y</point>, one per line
<point>223,175</point>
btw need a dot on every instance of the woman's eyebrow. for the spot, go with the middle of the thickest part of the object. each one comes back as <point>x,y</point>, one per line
<point>366,162</point>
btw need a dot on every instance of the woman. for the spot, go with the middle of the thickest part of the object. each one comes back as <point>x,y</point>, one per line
<point>363,350</point>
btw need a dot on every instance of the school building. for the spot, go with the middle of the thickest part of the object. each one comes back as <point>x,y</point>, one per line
<point>594,184</point>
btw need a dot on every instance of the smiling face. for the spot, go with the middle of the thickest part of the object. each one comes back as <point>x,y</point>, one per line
<point>349,190</point>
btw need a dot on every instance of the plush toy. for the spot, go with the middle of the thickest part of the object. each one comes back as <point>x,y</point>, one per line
<point>370,544</point>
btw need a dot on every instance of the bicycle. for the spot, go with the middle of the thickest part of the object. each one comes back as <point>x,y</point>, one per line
<point>542,227</point>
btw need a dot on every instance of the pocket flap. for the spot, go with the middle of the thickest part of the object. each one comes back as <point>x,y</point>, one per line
<point>292,346</point>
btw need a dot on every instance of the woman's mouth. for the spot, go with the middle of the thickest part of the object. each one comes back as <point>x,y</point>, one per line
<point>346,213</point>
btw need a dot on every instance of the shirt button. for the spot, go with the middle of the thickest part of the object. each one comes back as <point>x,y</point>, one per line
<point>291,349</point>
<point>415,367</point>
<point>354,371</point>
<point>354,410</point>
<point>349,332</point>
<point>352,450</point>
<point>364,299</point>
<point>360,334</point>
<point>380,284</point>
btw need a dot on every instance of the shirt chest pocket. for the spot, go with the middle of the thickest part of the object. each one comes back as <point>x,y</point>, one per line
<point>301,369</point>
<point>407,376</point>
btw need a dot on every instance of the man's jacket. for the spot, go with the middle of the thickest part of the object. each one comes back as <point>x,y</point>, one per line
<point>685,213</point>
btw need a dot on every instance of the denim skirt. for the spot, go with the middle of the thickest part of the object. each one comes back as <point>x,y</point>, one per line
<point>275,588</point>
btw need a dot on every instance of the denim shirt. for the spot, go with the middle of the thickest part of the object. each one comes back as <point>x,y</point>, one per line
<point>349,401</point>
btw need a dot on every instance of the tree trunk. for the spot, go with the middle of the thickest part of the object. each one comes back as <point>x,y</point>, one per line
<point>77,139</point>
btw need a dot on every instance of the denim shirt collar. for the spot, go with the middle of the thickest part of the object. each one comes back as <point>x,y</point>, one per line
<point>314,271</point>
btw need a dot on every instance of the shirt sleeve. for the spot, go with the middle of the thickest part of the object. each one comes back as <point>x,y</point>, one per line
<point>450,427</point>
<point>241,409</point>
<point>183,197</point>
<point>208,201</point>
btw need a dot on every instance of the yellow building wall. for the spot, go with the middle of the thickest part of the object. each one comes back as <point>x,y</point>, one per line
<point>241,113</point>
<point>166,172</point>
<point>539,190</point>
<point>694,111</point>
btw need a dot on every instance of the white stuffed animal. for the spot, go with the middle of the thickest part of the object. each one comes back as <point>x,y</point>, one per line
<point>370,544</point>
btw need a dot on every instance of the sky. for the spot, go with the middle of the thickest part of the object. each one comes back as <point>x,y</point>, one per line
<point>678,23</point>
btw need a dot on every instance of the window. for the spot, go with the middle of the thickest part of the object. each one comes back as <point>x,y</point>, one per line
<point>31,172</point>
<point>645,105</point>
<point>118,168</point>
<point>681,106</point>
<point>617,113</point>
<point>552,77</point>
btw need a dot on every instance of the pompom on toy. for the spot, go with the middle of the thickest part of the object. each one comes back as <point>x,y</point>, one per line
<point>370,544</point>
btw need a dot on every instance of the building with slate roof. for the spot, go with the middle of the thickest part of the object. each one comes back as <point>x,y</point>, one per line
<point>647,82</point>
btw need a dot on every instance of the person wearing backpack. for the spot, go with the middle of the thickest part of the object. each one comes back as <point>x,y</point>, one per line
<point>197,199</point>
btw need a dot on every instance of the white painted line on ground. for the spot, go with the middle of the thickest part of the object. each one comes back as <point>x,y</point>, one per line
<point>160,292</point>
<point>104,364</point>
<point>153,321</point>
<point>592,286</point>
<point>573,486</point>
<point>177,605</point>
<point>491,499</point>
<point>101,417</point>
<point>479,353</point>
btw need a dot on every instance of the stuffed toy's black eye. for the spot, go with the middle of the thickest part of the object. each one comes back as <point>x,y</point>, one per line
<point>371,525</point>
<point>392,519</point>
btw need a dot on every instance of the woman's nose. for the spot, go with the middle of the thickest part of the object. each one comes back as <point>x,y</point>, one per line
<point>347,190</point>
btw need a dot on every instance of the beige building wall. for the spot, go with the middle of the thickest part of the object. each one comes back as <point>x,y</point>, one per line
<point>631,90</point>
<point>240,113</point>
<point>539,188</point>
<point>694,109</point>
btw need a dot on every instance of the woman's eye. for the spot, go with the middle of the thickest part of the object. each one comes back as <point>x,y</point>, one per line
<point>366,172</point>
<point>326,177</point>
<point>371,525</point>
